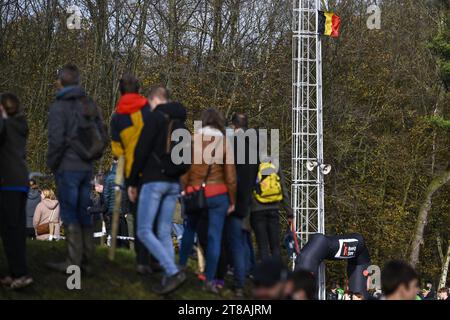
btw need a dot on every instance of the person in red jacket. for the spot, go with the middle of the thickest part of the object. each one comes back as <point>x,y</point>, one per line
<point>126,125</point>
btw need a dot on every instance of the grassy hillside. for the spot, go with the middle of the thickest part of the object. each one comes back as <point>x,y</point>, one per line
<point>111,280</point>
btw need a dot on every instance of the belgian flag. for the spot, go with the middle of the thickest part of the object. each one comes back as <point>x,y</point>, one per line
<point>329,24</point>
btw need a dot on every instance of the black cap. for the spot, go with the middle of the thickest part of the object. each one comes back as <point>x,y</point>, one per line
<point>269,272</point>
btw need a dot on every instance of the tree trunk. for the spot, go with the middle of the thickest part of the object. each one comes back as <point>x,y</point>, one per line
<point>422,220</point>
<point>234,23</point>
<point>172,41</point>
<point>217,27</point>
<point>445,265</point>
<point>439,247</point>
<point>140,34</point>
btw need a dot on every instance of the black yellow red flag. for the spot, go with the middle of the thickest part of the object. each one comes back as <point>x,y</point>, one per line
<point>329,24</point>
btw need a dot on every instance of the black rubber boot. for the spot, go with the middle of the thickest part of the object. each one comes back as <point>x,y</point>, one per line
<point>88,249</point>
<point>74,242</point>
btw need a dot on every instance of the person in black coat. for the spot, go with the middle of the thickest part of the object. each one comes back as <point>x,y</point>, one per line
<point>265,221</point>
<point>97,207</point>
<point>13,190</point>
<point>235,236</point>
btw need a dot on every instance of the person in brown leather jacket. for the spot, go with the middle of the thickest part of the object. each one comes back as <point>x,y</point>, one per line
<point>220,189</point>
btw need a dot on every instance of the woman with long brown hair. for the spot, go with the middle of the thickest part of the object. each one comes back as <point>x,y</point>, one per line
<point>210,170</point>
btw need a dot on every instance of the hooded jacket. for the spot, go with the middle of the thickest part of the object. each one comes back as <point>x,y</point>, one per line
<point>33,200</point>
<point>13,167</point>
<point>153,141</point>
<point>126,126</point>
<point>61,156</point>
<point>47,211</point>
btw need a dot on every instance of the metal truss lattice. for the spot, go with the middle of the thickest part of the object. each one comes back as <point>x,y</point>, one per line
<point>307,130</point>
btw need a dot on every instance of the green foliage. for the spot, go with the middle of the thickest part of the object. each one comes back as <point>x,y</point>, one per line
<point>441,47</point>
<point>379,86</point>
<point>439,122</point>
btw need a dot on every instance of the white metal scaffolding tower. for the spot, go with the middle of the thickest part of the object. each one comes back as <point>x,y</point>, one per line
<point>307,130</point>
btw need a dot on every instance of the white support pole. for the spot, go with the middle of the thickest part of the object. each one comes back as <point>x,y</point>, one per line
<point>307,126</point>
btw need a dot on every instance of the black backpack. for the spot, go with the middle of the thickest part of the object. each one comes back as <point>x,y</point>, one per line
<point>168,167</point>
<point>87,136</point>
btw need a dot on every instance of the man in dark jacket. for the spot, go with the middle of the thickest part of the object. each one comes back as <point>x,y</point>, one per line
<point>33,199</point>
<point>245,159</point>
<point>13,190</point>
<point>159,192</point>
<point>73,174</point>
<point>429,293</point>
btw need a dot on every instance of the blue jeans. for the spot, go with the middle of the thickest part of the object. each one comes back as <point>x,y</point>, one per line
<point>157,201</point>
<point>74,189</point>
<point>236,240</point>
<point>178,230</point>
<point>217,212</point>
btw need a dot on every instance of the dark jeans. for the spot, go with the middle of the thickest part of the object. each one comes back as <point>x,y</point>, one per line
<point>237,251</point>
<point>249,253</point>
<point>202,234</point>
<point>74,188</point>
<point>31,233</point>
<point>266,225</point>
<point>13,231</point>
<point>217,212</point>
<point>235,243</point>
